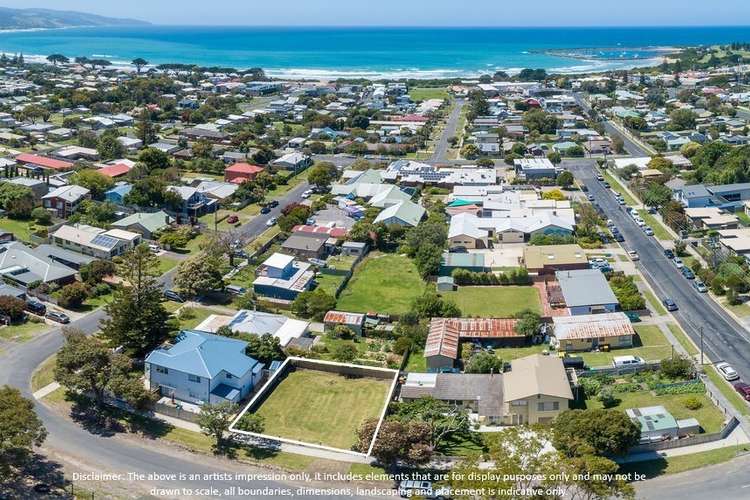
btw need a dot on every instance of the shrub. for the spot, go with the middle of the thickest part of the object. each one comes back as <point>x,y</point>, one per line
<point>73,295</point>
<point>12,307</point>
<point>608,399</point>
<point>692,403</point>
<point>679,367</point>
<point>591,386</point>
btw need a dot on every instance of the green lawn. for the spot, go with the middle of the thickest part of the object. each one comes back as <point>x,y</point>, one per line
<point>650,344</point>
<point>44,374</point>
<point>708,415</point>
<point>425,93</point>
<point>166,264</point>
<point>22,229</point>
<point>660,232</point>
<point>683,339</point>
<point>617,187</point>
<point>329,282</point>
<point>510,353</point>
<point>417,362</point>
<point>23,332</point>
<point>743,217</point>
<point>384,283</point>
<point>495,301</point>
<point>655,303</point>
<point>282,189</point>
<point>190,317</point>
<point>683,463</point>
<point>322,408</point>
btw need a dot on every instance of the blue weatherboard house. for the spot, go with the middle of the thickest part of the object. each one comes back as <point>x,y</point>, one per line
<point>117,194</point>
<point>203,368</point>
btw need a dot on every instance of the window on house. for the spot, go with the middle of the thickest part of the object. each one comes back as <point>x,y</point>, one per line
<point>229,375</point>
<point>194,378</point>
<point>161,369</point>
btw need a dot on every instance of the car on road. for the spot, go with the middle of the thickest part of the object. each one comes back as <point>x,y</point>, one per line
<point>590,197</point>
<point>273,203</point>
<point>621,201</point>
<point>688,273</point>
<point>670,304</point>
<point>233,219</point>
<point>678,263</point>
<point>600,177</point>
<point>306,194</point>
<point>36,307</point>
<point>669,254</point>
<point>648,231</point>
<point>58,317</point>
<point>610,223</point>
<point>700,286</point>
<point>173,296</point>
<point>424,489</point>
<point>265,210</point>
<point>618,237</point>
<point>743,389</point>
<point>634,255</point>
<point>271,221</point>
<point>641,223</point>
<point>726,371</point>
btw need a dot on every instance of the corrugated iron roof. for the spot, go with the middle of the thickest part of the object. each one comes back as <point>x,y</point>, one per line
<point>592,326</point>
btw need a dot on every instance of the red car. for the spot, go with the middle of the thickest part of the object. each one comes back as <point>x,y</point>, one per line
<point>233,219</point>
<point>743,389</point>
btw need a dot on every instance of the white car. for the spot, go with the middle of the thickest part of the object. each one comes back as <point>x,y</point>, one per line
<point>726,371</point>
<point>634,255</point>
<point>678,263</point>
<point>271,221</point>
<point>648,231</point>
<point>154,247</point>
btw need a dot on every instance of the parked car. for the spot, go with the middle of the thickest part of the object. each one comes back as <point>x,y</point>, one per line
<point>36,307</point>
<point>233,219</point>
<point>726,371</point>
<point>57,316</point>
<point>700,286</point>
<point>688,273</point>
<point>307,194</point>
<point>618,238</point>
<point>424,489</point>
<point>174,296</point>
<point>271,221</point>
<point>670,304</point>
<point>591,197</point>
<point>678,263</point>
<point>624,361</point>
<point>605,184</point>
<point>743,389</point>
<point>154,248</point>
<point>668,253</point>
<point>265,210</point>
<point>621,201</point>
<point>273,203</point>
<point>648,231</point>
<point>235,289</point>
<point>634,255</point>
<point>600,177</point>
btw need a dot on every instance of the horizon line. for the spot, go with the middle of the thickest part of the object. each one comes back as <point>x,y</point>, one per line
<point>437,26</point>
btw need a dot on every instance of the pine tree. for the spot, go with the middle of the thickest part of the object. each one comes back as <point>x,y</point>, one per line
<point>20,60</point>
<point>136,319</point>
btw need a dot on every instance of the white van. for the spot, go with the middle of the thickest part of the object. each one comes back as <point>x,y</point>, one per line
<point>423,489</point>
<point>624,361</point>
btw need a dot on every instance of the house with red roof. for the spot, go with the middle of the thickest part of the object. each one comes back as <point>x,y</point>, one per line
<point>35,162</point>
<point>241,172</point>
<point>114,171</point>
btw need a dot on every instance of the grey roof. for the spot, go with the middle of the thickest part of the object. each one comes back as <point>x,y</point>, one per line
<point>26,265</point>
<point>55,253</point>
<point>6,289</point>
<point>152,222</point>
<point>585,287</point>
<point>309,243</point>
<point>695,191</point>
<point>486,388</point>
<point>729,188</point>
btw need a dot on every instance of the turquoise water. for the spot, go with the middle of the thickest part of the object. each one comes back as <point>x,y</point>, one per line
<point>369,52</point>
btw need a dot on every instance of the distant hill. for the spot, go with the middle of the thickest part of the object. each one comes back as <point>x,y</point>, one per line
<point>46,18</point>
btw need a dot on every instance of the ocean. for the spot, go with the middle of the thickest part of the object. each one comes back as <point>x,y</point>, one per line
<point>326,52</point>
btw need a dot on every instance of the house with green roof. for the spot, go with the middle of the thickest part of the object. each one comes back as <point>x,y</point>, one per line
<point>473,262</point>
<point>145,224</point>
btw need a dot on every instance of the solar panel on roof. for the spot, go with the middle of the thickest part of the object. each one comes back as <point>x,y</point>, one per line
<point>105,241</point>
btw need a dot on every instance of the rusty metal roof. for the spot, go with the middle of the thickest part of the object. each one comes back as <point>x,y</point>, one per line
<point>446,333</point>
<point>589,326</point>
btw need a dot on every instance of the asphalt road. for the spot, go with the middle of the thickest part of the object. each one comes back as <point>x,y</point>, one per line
<point>631,147</point>
<point>440,154</point>
<point>723,338</point>
<point>87,452</point>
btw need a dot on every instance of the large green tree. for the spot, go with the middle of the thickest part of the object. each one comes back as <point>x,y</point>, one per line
<point>214,420</point>
<point>199,275</point>
<point>18,201</point>
<point>20,431</point>
<point>136,318</point>
<point>94,181</point>
<point>598,431</point>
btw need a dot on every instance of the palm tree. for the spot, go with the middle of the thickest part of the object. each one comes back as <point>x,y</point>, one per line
<point>139,63</point>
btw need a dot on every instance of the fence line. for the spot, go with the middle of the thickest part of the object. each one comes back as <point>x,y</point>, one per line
<point>689,441</point>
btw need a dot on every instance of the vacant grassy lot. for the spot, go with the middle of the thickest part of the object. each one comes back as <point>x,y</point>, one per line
<point>20,228</point>
<point>322,408</point>
<point>424,93</point>
<point>709,416</point>
<point>650,344</point>
<point>383,283</point>
<point>495,301</point>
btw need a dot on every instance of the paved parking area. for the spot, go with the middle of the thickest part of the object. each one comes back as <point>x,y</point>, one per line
<point>503,255</point>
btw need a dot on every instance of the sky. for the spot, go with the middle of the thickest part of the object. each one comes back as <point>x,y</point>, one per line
<point>413,12</point>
